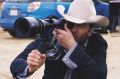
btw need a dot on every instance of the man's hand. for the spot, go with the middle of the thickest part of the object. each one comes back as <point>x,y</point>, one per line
<point>35,60</point>
<point>65,37</point>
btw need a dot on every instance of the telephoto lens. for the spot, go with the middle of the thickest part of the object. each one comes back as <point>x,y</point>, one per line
<point>30,26</point>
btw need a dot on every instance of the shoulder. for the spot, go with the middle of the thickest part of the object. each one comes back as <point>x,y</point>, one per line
<point>96,37</point>
<point>97,40</point>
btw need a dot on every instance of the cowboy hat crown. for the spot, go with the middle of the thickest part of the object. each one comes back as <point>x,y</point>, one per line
<point>82,11</point>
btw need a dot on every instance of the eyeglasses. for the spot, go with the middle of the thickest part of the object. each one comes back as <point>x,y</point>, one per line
<point>70,25</point>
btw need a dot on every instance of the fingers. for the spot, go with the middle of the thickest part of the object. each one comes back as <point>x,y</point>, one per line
<point>66,28</point>
<point>32,63</point>
<point>59,31</point>
<point>60,34</point>
<point>43,57</point>
<point>36,58</point>
<point>32,59</point>
<point>60,37</point>
<point>35,54</point>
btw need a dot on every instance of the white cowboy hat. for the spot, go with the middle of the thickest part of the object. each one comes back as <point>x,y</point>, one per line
<point>82,11</point>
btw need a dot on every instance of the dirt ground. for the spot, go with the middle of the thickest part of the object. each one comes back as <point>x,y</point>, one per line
<point>10,47</point>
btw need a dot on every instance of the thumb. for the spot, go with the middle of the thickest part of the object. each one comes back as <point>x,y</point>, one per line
<point>66,28</point>
<point>43,56</point>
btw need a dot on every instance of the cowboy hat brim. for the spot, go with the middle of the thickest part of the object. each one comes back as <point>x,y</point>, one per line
<point>98,19</point>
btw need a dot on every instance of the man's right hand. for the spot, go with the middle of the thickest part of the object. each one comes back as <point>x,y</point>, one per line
<point>35,60</point>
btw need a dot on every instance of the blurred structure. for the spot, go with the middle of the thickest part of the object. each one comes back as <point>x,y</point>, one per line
<point>1,1</point>
<point>114,6</point>
<point>102,8</point>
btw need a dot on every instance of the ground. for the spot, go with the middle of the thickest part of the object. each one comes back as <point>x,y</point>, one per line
<point>10,47</point>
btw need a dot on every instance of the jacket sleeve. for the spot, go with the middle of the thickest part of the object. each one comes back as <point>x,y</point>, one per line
<point>19,63</point>
<point>91,66</point>
<point>66,58</point>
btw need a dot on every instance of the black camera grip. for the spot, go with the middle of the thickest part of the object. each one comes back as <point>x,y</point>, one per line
<point>44,47</point>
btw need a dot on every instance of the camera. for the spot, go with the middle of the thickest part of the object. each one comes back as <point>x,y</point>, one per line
<point>29,26</point>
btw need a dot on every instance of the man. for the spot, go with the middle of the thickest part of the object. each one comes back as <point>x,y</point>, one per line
<point>84,51</point>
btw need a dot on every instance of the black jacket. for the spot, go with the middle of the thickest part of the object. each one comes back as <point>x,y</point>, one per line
<point>91,61</point>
